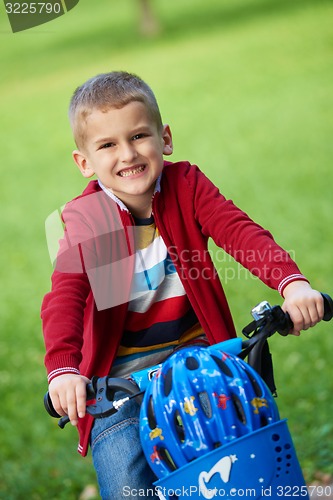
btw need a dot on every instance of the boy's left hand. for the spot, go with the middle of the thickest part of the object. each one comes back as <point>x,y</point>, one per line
<point>304,305</point>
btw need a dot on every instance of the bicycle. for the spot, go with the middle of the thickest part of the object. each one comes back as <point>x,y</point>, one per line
<point>266,453</point>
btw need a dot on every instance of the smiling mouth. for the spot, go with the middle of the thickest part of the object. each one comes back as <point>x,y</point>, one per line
<point>132,171</point>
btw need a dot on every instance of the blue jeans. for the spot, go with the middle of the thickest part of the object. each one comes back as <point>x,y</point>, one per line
<point>121,467</point>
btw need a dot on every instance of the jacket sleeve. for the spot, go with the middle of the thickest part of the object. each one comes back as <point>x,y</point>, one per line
<point>246,241</point>
<point>63,307</point>
<point>93,274</point>
<point>62,316</point>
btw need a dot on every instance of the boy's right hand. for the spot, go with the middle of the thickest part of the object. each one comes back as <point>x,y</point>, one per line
<point>68,395</point>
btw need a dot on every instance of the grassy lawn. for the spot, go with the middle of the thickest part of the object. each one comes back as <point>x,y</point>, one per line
<point>246,87</point>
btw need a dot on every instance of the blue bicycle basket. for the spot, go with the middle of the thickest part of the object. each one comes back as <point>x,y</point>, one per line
<point>201,400</point>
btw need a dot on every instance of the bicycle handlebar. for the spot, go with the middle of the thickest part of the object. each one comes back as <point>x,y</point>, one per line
<point>102,390</point>
<point>328,314</point>
<point>267,321</point>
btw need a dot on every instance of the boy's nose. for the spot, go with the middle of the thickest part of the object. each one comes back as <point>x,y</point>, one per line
<point>127,152</point>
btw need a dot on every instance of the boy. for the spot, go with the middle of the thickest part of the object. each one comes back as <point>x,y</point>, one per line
<point>133,278</point>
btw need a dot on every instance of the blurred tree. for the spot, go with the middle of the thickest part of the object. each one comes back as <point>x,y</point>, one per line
<point>149,23</point>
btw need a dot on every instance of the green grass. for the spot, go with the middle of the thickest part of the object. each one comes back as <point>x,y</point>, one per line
<point>246,88</point>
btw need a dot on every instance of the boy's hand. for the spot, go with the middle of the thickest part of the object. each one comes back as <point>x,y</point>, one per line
<point>68,395</point>
<point>304,305</point>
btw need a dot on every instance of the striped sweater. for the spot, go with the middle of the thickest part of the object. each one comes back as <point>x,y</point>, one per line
<point>160,317</point>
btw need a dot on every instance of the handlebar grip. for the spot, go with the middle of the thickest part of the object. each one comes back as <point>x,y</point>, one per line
<point>48,405</point>
<point>328,315</point>
<point>51,411</point>
<point>328,307</point>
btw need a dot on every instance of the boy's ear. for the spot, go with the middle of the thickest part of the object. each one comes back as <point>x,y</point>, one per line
<point>167,139</point>
<point>83,164</point>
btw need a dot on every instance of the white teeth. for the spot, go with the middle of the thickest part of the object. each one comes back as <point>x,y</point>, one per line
<point>127,173</point>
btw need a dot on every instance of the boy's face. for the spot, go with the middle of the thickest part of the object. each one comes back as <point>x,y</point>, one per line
<point>125,149</point>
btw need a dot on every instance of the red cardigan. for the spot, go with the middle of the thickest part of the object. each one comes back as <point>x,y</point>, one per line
<point>83,315</point>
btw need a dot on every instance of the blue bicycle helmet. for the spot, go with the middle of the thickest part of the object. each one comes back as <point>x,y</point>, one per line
<point>200,400</point>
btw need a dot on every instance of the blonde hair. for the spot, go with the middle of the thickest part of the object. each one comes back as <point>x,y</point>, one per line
<point>109,90</point>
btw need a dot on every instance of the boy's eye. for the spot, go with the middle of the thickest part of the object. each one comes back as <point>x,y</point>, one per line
<point>107,145</point>
<point>138,136</point>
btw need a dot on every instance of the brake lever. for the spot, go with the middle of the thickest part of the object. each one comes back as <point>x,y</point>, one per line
<point>105,389</point>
